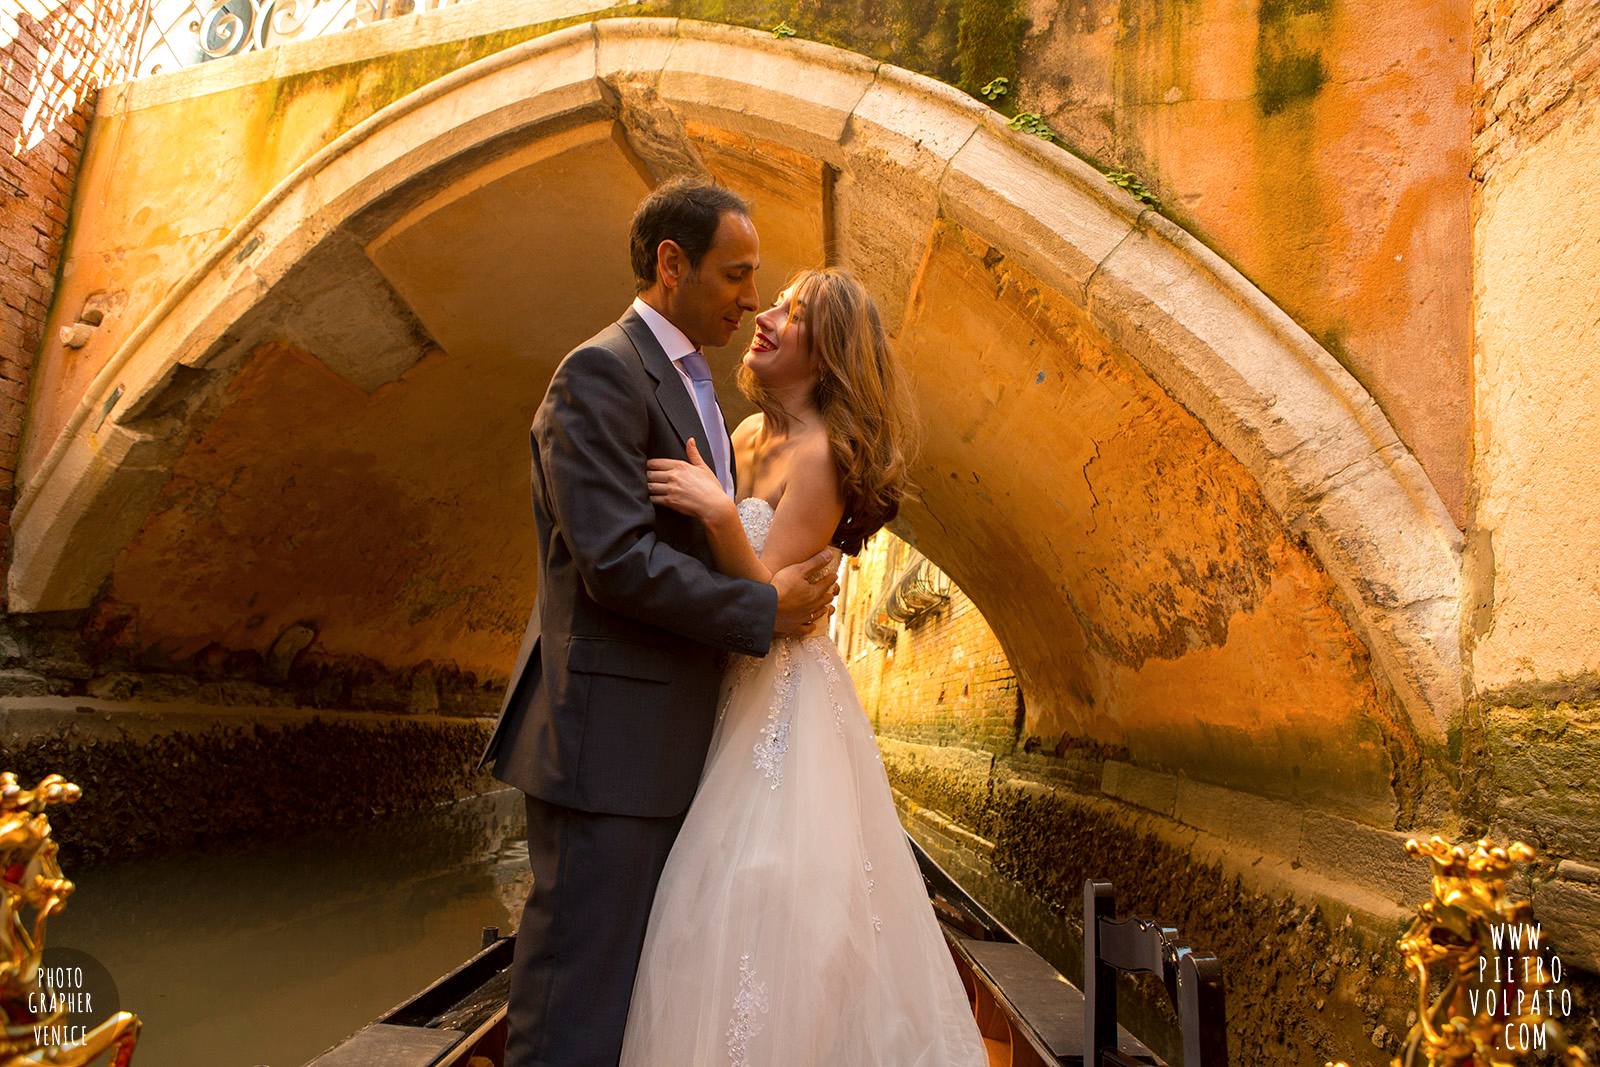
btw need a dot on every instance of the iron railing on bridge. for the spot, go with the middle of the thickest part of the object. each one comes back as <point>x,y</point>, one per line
<point>183,33</point>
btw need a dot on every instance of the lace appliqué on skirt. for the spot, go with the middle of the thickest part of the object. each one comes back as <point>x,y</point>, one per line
<point>774,743</point>
<point>749,1003</point>
<point>832,673</point>
<point>866,866</point>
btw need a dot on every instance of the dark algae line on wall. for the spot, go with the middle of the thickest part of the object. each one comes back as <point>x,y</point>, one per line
<point>1289,66</point>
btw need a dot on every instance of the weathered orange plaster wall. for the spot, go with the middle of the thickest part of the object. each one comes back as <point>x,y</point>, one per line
<point>161,185</point>
<point>1322,146</point>
<point>1139,583</point>
<point>395,523</point>
<point>308,501</point>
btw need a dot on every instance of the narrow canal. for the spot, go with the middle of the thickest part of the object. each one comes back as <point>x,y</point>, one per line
<point>268,953</point>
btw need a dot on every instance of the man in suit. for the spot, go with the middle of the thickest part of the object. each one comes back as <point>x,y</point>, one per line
<point>608,716</point>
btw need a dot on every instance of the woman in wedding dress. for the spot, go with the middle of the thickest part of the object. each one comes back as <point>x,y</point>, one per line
<point>790,927</point>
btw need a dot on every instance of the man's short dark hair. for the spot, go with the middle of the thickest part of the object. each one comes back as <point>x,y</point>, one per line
<point>686,211</point>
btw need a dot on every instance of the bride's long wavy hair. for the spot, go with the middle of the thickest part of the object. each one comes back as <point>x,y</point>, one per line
<point>865,408</point>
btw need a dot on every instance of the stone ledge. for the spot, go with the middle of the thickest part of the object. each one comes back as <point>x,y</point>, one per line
<point>942,758</point>
<point>942,823</point>
<point>1570,913</point>
<point>1234,816</point>
<point>1153,790</point>
<point>1382,901</point>
<point>1571,871</point>
<point>1357,868</point>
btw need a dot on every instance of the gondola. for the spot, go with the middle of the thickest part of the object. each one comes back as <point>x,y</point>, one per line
<point>1029,1014</point>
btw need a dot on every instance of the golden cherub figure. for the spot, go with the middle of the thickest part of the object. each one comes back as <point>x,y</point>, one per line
<point>32,880</point>
<point>1463,1025</point>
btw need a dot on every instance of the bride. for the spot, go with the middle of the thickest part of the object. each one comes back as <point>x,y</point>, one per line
<point>791,926</point>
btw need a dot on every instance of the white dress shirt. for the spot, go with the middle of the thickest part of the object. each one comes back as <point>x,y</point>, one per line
<point>676,346</point>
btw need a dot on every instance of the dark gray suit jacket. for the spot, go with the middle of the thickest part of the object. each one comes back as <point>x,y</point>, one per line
<point>611,704</point>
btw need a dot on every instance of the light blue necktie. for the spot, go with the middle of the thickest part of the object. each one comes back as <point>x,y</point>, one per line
<point>710,415</point>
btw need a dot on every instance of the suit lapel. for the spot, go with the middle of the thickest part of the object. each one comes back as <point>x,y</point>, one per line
<point>670,393</point>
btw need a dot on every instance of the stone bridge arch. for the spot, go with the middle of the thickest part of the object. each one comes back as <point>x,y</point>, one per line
<point>1191,528</point>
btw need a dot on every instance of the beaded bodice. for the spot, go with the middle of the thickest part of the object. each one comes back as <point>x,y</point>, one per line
<point>755,515</point>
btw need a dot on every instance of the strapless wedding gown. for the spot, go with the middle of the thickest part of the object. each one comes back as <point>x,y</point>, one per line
<point>791,927</point>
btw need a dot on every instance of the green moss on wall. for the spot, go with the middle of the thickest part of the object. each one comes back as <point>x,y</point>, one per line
<point>1282,80</point>
<point>1289,65</point>
<point>1534,775</point>
<point>928,30</point>
<point>374,83</point>
<point>259,779</point>
<point>988,43</point>
<point>920,35</point>
<point>1275,11</point>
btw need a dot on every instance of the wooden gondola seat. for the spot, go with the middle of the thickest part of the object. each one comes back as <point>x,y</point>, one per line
<point>1138,946</point>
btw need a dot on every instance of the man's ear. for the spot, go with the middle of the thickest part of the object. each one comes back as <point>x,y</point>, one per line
<point>670,262</point>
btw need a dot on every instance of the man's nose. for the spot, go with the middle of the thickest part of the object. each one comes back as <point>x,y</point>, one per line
<point>749,299</point>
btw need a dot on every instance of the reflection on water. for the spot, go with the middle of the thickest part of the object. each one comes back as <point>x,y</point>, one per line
<point>270,953</point>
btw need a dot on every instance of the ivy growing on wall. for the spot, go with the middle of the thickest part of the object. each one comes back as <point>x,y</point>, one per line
<point>1034,123</point>
<point>995,88</point>
<point>1126,179</point>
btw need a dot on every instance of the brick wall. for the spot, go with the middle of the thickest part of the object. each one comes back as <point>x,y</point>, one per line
<point>54,54</point>
<point>1535,64</point>
<point>945,681</point>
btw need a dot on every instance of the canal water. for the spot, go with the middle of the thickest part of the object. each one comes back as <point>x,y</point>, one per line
<point>267,954</point>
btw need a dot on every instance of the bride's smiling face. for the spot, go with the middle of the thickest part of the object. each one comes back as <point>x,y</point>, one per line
<point>780,351</point>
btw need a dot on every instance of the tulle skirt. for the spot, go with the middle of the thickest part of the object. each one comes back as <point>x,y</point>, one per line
<point>791,927</point>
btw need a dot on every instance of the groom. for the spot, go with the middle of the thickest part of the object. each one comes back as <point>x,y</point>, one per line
<point>610,708</point>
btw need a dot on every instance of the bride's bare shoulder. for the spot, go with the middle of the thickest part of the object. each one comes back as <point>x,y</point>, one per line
<point>747,431</point>
<point>810,505</point>
<point>810,463</point>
